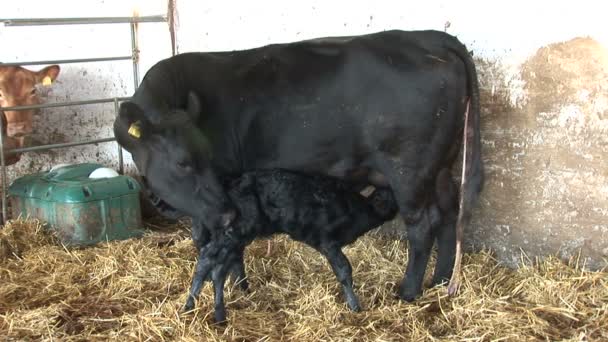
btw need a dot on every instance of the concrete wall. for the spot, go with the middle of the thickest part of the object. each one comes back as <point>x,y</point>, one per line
<point>82,81</point>
<point>543,68</point>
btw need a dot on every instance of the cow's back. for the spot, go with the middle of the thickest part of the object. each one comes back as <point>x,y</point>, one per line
<point>324,105</point>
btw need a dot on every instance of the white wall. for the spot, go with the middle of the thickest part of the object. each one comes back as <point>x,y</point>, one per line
<point>516,141</point>
<point>81,81</point>
<point>510,31</point>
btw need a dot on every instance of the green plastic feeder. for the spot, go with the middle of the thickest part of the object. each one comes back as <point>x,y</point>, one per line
<point>81,210</point>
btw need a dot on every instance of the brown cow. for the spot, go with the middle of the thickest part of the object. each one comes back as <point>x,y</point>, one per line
<point>9,143</point>
<point>18,88</point>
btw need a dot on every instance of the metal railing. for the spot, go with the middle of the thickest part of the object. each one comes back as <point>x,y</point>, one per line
<point>134,56</point>
<point>83,21</point>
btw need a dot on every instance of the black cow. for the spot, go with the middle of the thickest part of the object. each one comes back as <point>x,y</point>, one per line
<point>387,109</point>
<point>323,212</point>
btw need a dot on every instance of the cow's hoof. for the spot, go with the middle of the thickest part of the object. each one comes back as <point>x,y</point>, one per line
<point>442,281</point>
<point>408,295</point>
<point>220,316</point>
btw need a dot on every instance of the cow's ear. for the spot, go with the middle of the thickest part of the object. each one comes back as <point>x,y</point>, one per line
<point>48,74</point>
<point>131,126</point>
<point>194,106</point>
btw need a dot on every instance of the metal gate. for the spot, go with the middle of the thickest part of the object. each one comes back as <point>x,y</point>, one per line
<point>134,57</point>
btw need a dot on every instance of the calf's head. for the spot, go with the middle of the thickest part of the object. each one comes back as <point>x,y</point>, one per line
<point>174,156</point>
<point>18,88</point>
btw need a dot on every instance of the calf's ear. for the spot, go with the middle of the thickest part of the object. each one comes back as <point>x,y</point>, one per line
<point>194,106</point>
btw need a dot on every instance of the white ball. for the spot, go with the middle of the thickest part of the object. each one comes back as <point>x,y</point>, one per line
<point>103,172</point>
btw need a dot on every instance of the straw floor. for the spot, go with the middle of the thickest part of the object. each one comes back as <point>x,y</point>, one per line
<point>134,290</point>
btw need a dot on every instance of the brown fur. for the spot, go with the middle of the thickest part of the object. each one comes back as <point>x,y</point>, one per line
<point>18,88</point>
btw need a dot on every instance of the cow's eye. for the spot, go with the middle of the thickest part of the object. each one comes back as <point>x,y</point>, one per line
<point>184,165</point>
<point>33,91</point>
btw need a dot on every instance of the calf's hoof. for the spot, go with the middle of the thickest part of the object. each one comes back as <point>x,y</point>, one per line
<point>244,285</point>
<point>355,307</point>
<point>353,302</point>
<point>189,305</point>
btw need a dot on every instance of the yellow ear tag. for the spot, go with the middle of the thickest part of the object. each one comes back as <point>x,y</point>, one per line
<point>134,130</point>
<point>46,81</point>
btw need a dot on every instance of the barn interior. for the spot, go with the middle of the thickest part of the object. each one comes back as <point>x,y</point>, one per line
<point>536,249</point>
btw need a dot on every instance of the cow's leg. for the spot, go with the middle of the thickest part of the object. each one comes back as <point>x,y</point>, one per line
<point>446,207</point>
<point>344,273</point>
<point>409,187</point>
<point>420,244</point>
<point>445,234</point>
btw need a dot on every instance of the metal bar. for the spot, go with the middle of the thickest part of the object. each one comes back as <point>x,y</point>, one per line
<point>121,167</point>
<point>65,104</point>
<point>66,61</point>
<point>135,55</point>
<point>62,145</point>
<point>3,165</point>
<point>72,21</point>
<point>83,21</point>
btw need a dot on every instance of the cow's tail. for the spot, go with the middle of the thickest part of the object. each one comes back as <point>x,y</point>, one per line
<point>472,164</point>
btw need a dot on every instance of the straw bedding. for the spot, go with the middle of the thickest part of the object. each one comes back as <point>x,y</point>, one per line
<point>134,290</point>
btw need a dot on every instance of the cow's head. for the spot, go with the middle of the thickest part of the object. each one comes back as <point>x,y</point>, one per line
<point>18,88</point>
<point>174,157</point>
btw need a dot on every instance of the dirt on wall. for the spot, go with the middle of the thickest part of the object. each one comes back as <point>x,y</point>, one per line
<point>564,73</point>
<point>546,156</point>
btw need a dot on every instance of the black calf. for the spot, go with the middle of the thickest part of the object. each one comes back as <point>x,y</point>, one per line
<point>323,212</point>
<point>200,235</point>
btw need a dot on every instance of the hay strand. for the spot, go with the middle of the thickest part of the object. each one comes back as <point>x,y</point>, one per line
<point>135,289</point>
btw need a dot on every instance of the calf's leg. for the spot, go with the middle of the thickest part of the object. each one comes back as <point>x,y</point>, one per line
<point>215,260</point>
<point>218,275</point>
<point>238,271</point>
<point>207,260</point>
<point>344,273</point>
<point>201,237</point>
